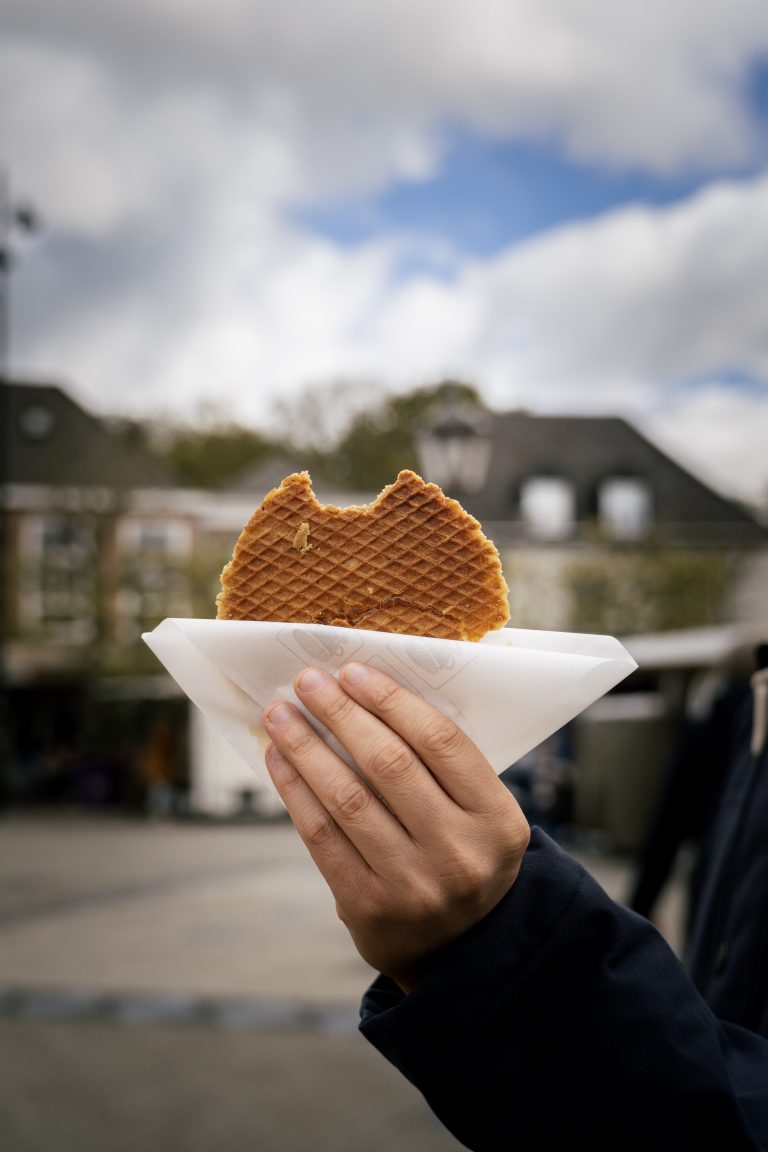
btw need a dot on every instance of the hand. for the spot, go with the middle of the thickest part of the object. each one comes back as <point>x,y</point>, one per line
<point>419,849</point>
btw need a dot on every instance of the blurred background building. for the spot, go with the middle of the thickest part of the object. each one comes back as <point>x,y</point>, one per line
<point>238,241</point>
<point>598,530</point>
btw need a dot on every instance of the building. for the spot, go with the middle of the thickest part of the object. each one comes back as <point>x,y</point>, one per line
<point>562,495</point>
<point>97,542</point>
<point>100,543</point>
<point>98,535</point>
<point>599,531</point>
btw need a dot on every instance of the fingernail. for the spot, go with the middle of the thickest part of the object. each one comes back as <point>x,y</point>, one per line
<point>355,673</point>
<point>310,679</point>
<point>278,714</point>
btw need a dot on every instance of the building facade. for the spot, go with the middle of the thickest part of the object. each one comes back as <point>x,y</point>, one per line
<point>597,529</point>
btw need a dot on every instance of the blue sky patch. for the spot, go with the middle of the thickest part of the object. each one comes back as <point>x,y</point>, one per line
<point>490,193</point>
<point>736,379</point>
<point>756,91</point>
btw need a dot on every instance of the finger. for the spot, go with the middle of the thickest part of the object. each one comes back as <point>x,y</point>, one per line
<point>454,760</point>
<point>347,799</point>
<point>336,857</point>
<point>387,761</point>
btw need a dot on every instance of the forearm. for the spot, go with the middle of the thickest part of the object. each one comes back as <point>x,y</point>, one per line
<point>563,1015</point>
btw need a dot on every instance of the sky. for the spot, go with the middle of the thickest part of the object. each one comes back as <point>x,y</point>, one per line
<point>563,204</point>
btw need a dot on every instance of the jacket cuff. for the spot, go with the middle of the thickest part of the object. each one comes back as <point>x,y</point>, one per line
<point>527,915</point>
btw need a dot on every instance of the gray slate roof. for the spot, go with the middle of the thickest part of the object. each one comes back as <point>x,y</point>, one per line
<point>589,449</point>
<point>48,439</point>
<point>264,477</point>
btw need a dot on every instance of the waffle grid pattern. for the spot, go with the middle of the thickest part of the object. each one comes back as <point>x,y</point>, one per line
<point>413,561</point>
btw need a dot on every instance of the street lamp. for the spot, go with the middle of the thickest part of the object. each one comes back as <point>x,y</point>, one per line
<point>455,448</point>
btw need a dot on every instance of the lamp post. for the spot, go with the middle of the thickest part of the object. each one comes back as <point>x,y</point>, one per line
<point>14,219</point>
<point>455,448</point>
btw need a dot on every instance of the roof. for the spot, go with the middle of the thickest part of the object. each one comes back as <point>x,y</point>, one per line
<point>271,473</point>
<point>50,440</point>
<point>267,474</point>
<point>693,648</point>
<point>588,450</point>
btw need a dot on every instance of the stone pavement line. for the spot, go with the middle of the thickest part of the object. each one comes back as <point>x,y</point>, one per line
<point>253,1015</point>
<point>64,905</point>
<point>149,916</point>
<point>131,922</point>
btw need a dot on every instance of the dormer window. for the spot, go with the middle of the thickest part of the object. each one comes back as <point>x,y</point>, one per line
<point>625,507</point>
<point>548,506</point>
<point>36,421</point>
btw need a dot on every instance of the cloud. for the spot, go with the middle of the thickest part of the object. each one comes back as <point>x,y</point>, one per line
<point>720,434</point>
<point>359,93</point>
<point>626,313</point>
<point>640,297</point>
<point>165,141</point>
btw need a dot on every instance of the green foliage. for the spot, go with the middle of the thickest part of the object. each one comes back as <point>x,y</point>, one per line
<point>214,457</point>
<point>382,440</point>
<point>647,590</point>
<point>347,433</point>
<point>313,422</point>
<point>203,574</point>
<point>209,452</point>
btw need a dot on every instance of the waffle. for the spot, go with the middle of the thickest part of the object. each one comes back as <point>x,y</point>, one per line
<point>413,561</point>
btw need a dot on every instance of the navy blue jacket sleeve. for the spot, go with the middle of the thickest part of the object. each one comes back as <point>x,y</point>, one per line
<point>563,1015</point>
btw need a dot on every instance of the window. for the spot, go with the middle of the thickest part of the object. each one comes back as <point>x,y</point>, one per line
<point>58,577</point>
<point>36,421</point>
<point>548,506</point>
<point>154,578</point>
<point>624,507</point>
<point>156,536</point>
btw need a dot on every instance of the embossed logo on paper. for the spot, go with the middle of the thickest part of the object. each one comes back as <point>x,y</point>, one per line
<point>319,644</point>
<point>434,662</point>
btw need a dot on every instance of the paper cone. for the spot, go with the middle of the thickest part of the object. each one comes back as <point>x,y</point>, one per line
<point>509,691</point>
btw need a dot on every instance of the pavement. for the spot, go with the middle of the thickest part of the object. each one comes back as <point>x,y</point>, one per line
<point>189,986</point>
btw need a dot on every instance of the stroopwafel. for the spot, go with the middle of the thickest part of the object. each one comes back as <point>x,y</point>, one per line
<point>413,561</point>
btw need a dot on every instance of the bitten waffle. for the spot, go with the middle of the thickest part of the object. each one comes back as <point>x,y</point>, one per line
<point>412,561</point>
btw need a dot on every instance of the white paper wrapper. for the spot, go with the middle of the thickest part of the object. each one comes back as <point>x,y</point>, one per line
<point>509,692</point>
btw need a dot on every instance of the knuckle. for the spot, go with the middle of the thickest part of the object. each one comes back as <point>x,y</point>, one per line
<point>386,695</point>
<point>441,736</point>
<point>303,743</point>
<point>391,762</point>
<point>427,905</point>
<point>427,901</point>
<point>292,785</point>
<point>517,841</point>
<point>344,915</point>
<point>469,874</point>
<point>350,799</point>
<point>338,708</point>
<point>504,818</point>
<point>320,831</point>
<point>367,908</point>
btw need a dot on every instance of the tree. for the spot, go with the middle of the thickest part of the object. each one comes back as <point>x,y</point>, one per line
<point>652,589</point>
<point>382,439</point>
<point>313,422</point>
<point>347,433</point>
<point>208,452</point>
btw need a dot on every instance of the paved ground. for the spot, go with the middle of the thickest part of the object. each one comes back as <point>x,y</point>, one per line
<point>189,987</point>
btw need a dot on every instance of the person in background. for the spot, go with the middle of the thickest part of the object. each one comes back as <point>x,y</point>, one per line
<point>691,790</point>
<point>527,1006</point>
<point>543,783</point>
<point>159,769</point>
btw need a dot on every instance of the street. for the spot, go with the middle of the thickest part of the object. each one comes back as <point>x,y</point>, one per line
<point>189,987</point>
